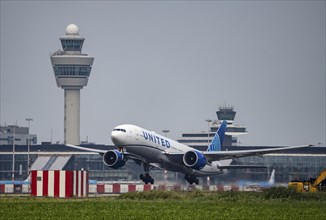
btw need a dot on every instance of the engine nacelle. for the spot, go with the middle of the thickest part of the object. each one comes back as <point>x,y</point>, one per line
<point>194,159</point>
<point>114,159</point>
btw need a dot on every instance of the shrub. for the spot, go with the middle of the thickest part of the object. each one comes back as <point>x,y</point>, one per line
<point>281,192</point>
<point>230,196</point>
<point>151,195</point>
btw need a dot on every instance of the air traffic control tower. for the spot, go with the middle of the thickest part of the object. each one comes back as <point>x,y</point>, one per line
<point>71,70</point>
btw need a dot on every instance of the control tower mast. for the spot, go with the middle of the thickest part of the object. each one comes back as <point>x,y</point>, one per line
<point>71,70</point>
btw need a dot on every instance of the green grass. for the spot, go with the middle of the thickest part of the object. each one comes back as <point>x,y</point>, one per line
<point>271,204</point>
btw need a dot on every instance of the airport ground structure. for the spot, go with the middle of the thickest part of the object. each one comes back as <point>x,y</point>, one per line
<point>21,135</point>
<point>200,140</point>
<point>294,164</point>
<point>98,188</point>
<point>71,69</point>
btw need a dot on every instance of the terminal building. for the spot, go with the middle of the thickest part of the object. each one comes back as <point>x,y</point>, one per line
<point>21,135</point>
<point>294,164</point>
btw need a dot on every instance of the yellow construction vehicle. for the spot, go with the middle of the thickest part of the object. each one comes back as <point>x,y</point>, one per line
<point>311,185</point>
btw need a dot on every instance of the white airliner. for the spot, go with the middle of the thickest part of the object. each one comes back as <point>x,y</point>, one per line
<point>153,150</point>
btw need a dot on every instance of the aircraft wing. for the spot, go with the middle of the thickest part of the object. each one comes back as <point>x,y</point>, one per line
<point>219,155</point>
<point>101,152</point>
<point>223,155</point>
<point>87,149</point>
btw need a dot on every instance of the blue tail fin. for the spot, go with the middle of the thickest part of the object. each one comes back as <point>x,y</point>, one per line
<point>216,144</point>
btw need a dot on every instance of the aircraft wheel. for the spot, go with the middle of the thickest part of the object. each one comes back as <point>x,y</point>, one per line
<point>146,178</point>
<point>191,179</point>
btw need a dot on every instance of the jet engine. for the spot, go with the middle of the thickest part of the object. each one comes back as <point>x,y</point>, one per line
<point>114,159</point>
<point>194,159</point>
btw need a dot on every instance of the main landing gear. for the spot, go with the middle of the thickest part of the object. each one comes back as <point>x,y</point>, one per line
<point>146,178</point>
<point>191,179</point>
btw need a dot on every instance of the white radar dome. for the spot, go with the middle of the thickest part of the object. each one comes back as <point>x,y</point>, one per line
<point>72,29</point>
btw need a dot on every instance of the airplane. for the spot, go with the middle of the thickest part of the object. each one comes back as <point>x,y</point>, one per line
<point>150,150</point>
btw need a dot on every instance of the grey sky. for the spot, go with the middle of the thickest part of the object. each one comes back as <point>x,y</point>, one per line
<point>170,65</point>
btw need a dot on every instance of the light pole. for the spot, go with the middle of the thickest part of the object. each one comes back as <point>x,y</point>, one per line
<point>13,153</point>
<point>165,131</point>
<point>208,121</point>
<point>28,144</point>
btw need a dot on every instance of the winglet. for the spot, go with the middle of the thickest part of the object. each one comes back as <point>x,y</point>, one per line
<point>216,144</point>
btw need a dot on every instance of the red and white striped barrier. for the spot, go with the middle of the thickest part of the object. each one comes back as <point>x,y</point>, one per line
<point>83,188</point>
<point>59,183</point>
<point>117,188</point>
<point>14,188</point>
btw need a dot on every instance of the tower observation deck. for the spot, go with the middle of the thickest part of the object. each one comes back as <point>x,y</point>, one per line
<point>71,70</point>
<point>226,113</point>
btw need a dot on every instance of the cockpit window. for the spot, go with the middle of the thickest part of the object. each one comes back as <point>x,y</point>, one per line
<point>119,129</point>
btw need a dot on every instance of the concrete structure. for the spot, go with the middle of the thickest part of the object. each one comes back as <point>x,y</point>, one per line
<point>71,70</point>
<point>21,135</point>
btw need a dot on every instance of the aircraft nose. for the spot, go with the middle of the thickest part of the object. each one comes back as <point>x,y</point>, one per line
<point>116,138</point>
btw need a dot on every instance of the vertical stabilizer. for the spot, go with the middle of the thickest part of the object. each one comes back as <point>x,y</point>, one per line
<point>216,144</point>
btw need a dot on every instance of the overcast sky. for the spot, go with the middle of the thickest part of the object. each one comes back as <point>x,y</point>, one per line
<point>170,65</point>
